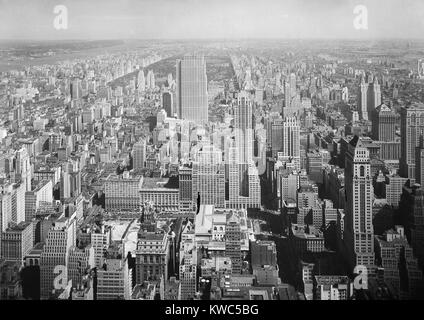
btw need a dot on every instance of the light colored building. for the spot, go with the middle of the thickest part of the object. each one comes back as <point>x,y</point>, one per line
<point>122,192</point>
<point>42,195</point>
<point>192,91</point>
<point>152,256</point>
<point>209,177</point>
<point>114,281</point>
<point>60,239</point>
<point>359,233</point>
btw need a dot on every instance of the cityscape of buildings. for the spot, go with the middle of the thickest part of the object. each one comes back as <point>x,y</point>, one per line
<point>212,170</point>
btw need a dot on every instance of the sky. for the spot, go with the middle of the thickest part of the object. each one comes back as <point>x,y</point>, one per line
<point>210,19</point>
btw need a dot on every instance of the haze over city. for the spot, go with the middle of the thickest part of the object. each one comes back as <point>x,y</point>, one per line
<point>203,19</point>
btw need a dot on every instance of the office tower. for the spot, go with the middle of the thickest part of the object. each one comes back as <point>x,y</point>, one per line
<point>65,182</point>
<point>185,182</point>
<point>141,81</point>
<point>243,127</point>
<point>412,128</point>
<point>170,80</point>
<point>291,140</point>
<point>42,195</point>
<point>315,161</point>
<point>152,255</point>
<point>18,203</point>
<point>243,130</point>
<point>5,210</point>
<point>345,94</point>
<point>263,253</point>
<point>276,136</point>
<point>419,162</point>
<point>232,241</point>
<point>394,186</point>
<point>114,278</point>
<point>421,68</point>
<point>287,186</point>
<point>100,240</point>
<point>242,176</point>
<point>209,177</point>
<point>80,261</point>
<point>374,97</point>
<point>23,167</point>
<point>400,268</point>
<point>61,237</point>
<point>148,78</point>
<point>363,99</point>
<point>150,81</point>
<point>122,192</point>
<point>287,95</point>
<point>139,155</point>
<point>188,269</point>
<point>291,99</point>
<point>168,103</point>
<point>293,90</point>
<point>192,95</point>
<point>75,89</point>
<point>383,124</point>
<point>411,208</point>
<point>359,234</point>
<point>17,241</point>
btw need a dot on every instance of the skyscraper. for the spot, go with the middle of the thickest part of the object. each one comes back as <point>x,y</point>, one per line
<point>276,136</point>
<point>75,88</point>
<point>185,182</point>
<point>209,177</point>
<point>244,189</point>
<point>23,167</point>
<point>412,128</point>
<point>383,123</point>
<point>243,127</point>
<point>139,155</point>
<point>192,95</point>
<point>61,237</point>
<point>291,140</point>
<point>363,99</point>
<point>369,96</point>
<point>232,241</point>
<point>17,241</point>
<point>243,139</point>
<point>374,96</point>
<point>141,81</point>
<point>168,103</point>
<point>359,234</point>
<point>419,162</point>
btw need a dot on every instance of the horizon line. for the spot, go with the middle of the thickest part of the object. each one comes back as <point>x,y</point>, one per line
<point>215,39</point>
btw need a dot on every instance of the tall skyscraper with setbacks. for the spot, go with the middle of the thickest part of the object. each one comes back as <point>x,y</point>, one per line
<point>363,99</point>
<point>359,231</point>
<point>192,89</point>
<point>244,185</point>
<point>383,124</point>
<point>412,128</point>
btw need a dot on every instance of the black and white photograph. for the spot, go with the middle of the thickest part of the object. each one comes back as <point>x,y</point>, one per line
<point>221,152</point>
